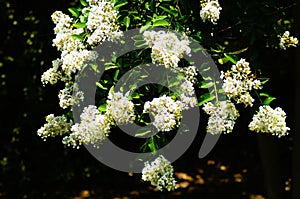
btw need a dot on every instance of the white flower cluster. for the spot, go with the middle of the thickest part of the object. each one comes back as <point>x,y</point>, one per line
<point>287,41</point>
<point>268,120</point>
<point>167,49</point>
<point>165,111</point>
<point>159,173</point>
<point>189,73</point>
<point>56,125</point>
<point>102,22</point>
<point>119,108</point>
<point>238,82</point>
<point>52,75</point>
<point>222,117</point>
<point>73,61</point>
<point>187,97</point>
<point>92,129</point>
<point>70,96</point>
<point>210,11</point>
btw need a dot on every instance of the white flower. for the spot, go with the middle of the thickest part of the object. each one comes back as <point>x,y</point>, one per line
<point>210,11</point>
<point>61,20</point>
<point>187,97</point>
<point>222,117</point>
<point>167,49</point>
<point>92,129</point>
<point>65,42</point>
<point>165,111</point>
<point>52,75</point>
<point>73,61</point>
<point>238,81</point>
<point>287,41</point>
<point>159,173</point>
<point>189,73</point>
<point>56,125</point>
<point>102,22</point>
<point>120,109</point>
<point>268,120</point>
<point>70,96</point>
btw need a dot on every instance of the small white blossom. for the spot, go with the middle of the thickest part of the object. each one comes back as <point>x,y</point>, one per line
<point>52,75</point>
<point>70,96</point>
<point>210,11</point>
<point>159,173</point>
<point>189,73</point>
<point>238,82</point>
<point>61,20</point>
<point>120,109</point>
<point>287,41</point>
<point>268,120</point>
<point>102,22</point>
<point>222,117</point>
<point>165,111</point>
<point>187,97</point>
<point>167,49</point>
<point>92,129</point>
<point>73,61</point>
<point>64,41</point>
<point>56,125</point>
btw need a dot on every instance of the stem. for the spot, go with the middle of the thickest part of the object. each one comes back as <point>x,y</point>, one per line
<point>215,90</point>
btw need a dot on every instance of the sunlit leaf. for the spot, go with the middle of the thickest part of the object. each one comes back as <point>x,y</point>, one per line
<point>163,23</point>
<point>84,3</point>
<point>74,12</point>
<point>80,25</point>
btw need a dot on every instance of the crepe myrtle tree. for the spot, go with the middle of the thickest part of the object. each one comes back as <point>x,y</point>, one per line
<point>227,31</point>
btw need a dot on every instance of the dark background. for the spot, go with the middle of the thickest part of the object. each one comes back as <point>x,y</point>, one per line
<point>242,165</point>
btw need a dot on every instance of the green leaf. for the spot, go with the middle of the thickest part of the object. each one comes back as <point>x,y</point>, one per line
<point>110,66</point>
<point>238,52</point>
<point>135,95</point>
<point>126,21</point>
<point>268,100</point>
<point>80,25</point>
<point>84,3</point>
<point>102,108</point>
<point>265,81</point>
<point>79,37</point>
<point>206,85</point>
<point>74,12</point>
<point>145,27</point>
<point>163,23</point>
<point>116,75</point>
<point>140,43</point>
<point>152,145</point>
<point>172,12</point>
<point>230,58</point>
<point>145,132</point>
<point>205,98</point>
<point>101,86</point>
<point>264,95</point>
<point>122,3</point>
